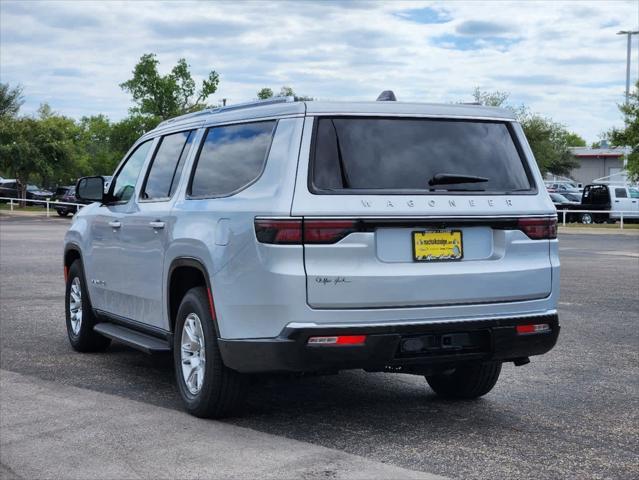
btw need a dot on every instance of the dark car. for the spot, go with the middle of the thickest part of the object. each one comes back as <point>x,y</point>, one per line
<point>9,188</point>
<point>562,202</point>
<point>67,195</point>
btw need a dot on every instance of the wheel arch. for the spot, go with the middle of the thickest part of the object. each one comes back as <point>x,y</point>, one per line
<point>183,274</point>
<point>72,252</point>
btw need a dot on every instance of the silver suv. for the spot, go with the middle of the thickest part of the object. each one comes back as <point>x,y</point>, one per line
<point>285,236</point>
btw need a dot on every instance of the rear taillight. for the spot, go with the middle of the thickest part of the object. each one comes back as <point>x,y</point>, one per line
<point>298,231</point>
<point>538,228</point>
<point>327,231</point>
<point>281,232</point>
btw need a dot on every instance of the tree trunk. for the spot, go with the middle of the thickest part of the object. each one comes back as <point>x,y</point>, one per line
<point>22,190</point>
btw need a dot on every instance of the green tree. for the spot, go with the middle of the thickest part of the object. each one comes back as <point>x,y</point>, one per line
<point>549,140</point>
<point>629,135</point>
<point>169,95</point>
<point>127,131</point>
<point>265,93</point>
<point>490,99</point>
<point>11,100</point>
<point>37,148</point>
<point>97,155</point>
<point>285,91</point>
<point>575,140</point>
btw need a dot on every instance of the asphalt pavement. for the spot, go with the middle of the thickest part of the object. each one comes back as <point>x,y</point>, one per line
<point>573,413</point>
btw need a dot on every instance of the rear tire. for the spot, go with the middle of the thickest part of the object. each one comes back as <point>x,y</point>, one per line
<point>466,382</point>
<point>80,318</point>
<point>586,218</point>
<point>62,213</point>
<point>213,390</point>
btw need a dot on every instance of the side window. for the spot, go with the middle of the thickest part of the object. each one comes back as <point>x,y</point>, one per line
<point>166,166</point>
<point>124,184</point>
<point>231,158</point>
<point>621,193</point>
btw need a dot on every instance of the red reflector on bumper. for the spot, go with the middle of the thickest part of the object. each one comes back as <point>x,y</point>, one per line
<point>338,340</point>
<point>537,328</point>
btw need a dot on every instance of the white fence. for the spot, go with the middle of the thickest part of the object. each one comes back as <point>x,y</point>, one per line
<point>13,202</point>
<point>629,214</point>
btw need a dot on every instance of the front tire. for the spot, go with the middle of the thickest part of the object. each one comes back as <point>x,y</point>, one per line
<point>466,382</point>
<point>209,389</point>
<point>80,318</point>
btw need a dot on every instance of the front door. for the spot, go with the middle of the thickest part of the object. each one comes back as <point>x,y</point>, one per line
<point>103,263</point>
<point>146,232</point>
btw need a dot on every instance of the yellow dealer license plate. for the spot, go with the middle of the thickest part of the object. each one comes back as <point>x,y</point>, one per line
<point>437,245</point>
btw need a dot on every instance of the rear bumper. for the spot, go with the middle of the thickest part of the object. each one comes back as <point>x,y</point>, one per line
<point>494,339</point>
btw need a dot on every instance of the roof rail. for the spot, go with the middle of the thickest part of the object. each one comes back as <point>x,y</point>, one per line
<point>236,106</point>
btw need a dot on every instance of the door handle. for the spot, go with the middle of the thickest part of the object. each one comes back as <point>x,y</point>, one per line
<point>616,201</point>
<point>115,224</point>
<point>156,224</point>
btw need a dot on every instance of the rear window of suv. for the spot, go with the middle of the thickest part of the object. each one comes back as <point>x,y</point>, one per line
<point>401,155</point>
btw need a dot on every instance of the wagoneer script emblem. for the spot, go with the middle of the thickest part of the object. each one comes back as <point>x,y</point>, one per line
<point>472,202</point>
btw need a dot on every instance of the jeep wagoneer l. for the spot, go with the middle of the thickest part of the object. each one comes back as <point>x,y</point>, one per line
<point>284,236</point>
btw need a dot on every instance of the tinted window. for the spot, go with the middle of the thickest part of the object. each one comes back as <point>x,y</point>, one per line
<point>596,194</point>
<point>634,193</point>
<point>621,193</point>
<point>127,177</point>
<point>404,154</point>
<point>231,158</point>
<point>166,167</point>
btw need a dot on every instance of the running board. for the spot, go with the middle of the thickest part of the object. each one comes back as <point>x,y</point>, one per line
<point>133,338</point>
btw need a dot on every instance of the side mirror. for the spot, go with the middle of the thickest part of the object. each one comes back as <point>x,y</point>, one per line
<point>90,189</point>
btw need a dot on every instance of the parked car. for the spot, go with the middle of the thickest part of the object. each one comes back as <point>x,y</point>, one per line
<point>67,195</point>
<point>563,187</point>
<point>560,200</point>
<point>287,236</point>
<point>609,197</point>
<point>572,196</point>
<point>9,188</point>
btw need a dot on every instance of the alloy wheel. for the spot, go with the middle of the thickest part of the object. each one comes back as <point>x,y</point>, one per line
<point>75,306</point>
<point>193,355</point>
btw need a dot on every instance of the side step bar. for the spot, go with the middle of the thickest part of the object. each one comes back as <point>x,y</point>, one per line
<point>133,338</point>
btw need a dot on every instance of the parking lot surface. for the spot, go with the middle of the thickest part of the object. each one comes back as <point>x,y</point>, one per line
<point>573,413</point>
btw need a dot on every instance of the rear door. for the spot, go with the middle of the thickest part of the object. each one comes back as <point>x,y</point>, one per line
<point>623,202</point>
<point>405,212</point>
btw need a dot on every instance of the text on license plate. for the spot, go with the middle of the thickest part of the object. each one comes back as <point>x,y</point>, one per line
<point>434,245</point>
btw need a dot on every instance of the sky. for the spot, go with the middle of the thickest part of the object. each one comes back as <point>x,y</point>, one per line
<point>561,59</point>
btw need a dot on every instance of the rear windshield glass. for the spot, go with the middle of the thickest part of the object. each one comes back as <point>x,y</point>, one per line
<point>405,154</point>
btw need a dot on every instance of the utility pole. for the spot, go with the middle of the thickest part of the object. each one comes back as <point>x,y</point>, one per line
<point>629,34</point>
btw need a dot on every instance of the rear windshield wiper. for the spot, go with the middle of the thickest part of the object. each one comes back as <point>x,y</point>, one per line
<point>452,178</point>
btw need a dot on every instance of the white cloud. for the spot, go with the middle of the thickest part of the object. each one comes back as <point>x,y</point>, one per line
<point>562,59</point>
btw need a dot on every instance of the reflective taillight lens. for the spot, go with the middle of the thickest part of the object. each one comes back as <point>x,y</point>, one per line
<point>281,232</point>
<point>327,231</point>
<point>538,228</point>
<point>338,340</point>
<point>534,328</point>
<point>298,231</point>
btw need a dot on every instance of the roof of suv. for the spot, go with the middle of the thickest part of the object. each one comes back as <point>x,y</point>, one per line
<point>285,106</point>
